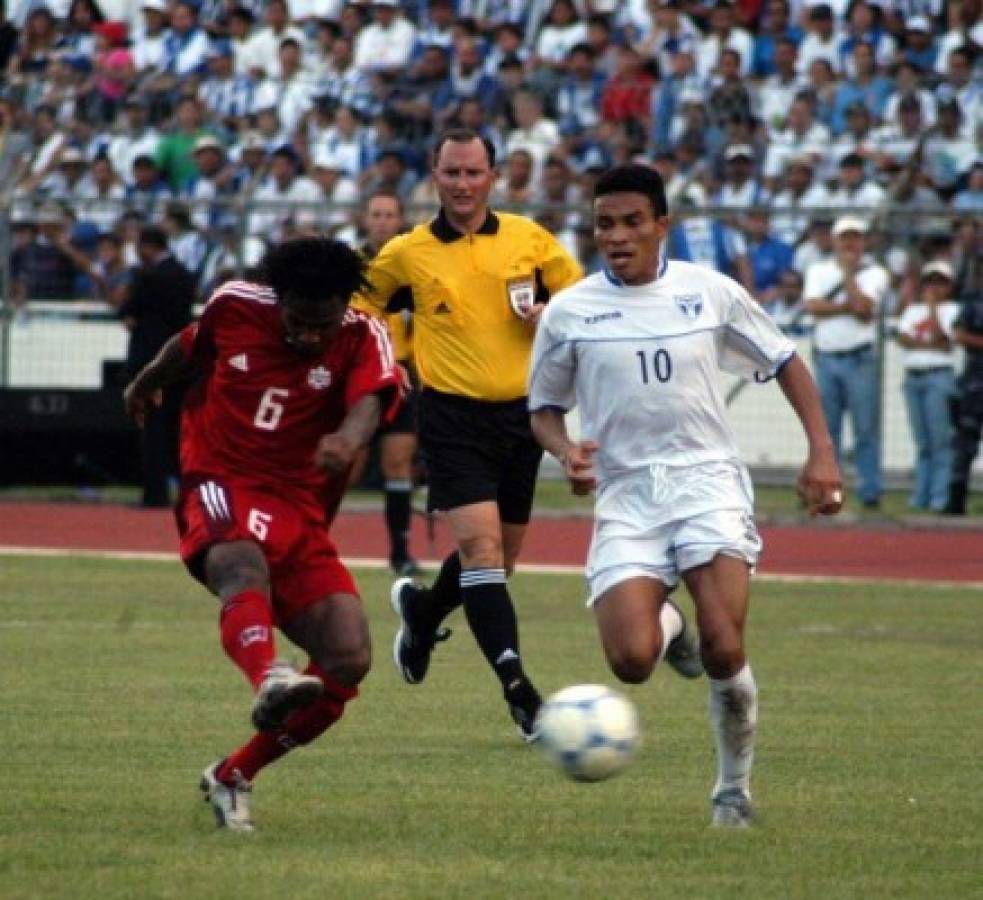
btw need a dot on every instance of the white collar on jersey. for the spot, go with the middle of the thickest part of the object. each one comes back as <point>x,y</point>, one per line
<point>617,282</point>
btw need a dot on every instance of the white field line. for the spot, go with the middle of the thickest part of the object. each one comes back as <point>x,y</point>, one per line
<point>533,568</point>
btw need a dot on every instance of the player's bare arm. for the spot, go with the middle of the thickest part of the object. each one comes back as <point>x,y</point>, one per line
<point>337,451</point>
<point>820,484</point>
<point>576,457</point>
<point>144,391</point>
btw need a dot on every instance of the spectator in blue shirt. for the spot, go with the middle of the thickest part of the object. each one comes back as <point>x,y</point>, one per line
<point>920,48</point>
<point>775,27</point>
<point>770,257</point>
<point>866,85</point>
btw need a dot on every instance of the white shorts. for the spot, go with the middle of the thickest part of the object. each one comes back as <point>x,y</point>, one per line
<point>663,521</point>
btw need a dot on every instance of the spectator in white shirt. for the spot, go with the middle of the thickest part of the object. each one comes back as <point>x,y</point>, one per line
<point>777,91</point>
<point>723,35</point>
<point>285,192</point>
<point>795,203</point>
<point>822,40</point>
<point>386,44</point>
<point>148,46</point>
<point>340,193</point>
<point>260,55</point>
<point>561,32</point>
<point>138,138</point>
<point>854,189</point>
<point>802,134</point>
<point>534,132</point>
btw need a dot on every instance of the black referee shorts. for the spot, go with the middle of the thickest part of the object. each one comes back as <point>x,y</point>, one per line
<point>476,451</point>
<point>405,419</point>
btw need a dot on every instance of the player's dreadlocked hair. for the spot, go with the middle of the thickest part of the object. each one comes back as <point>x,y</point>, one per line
<point>313,268</point>
<point>635,179</point>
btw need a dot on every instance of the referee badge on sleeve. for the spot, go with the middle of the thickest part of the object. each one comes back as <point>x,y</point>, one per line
<point>522,295</point>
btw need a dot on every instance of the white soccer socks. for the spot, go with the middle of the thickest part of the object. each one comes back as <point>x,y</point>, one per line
<point>734,718</point>
<point>672,624</point>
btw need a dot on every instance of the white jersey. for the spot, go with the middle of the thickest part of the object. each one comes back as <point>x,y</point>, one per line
<point>643,362</point>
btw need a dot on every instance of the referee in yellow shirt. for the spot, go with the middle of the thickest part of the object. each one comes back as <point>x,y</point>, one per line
<point>479,281</point>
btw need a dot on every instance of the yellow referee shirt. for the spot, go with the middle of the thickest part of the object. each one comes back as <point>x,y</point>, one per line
<point>467,340</point>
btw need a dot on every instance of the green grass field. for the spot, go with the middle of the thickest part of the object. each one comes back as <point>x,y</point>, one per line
<point>116,695</point>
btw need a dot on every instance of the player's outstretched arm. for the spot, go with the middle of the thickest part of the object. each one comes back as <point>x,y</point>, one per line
<point>820,483</point>
<point>145,390</point>
<point>336,451</point>
<point>577,457</point>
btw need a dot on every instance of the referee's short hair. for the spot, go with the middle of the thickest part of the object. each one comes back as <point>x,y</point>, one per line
<point>464,136</point>
<point>635,179</point>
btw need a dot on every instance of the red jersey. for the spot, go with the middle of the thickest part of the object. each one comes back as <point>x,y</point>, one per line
<point>259,408</point>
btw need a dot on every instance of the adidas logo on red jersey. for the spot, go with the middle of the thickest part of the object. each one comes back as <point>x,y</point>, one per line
<point>240,362</point>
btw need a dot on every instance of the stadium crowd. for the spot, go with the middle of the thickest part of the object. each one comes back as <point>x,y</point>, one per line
<point>234,124</point>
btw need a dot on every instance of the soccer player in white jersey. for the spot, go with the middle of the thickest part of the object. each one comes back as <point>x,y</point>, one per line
<point>638,348</point>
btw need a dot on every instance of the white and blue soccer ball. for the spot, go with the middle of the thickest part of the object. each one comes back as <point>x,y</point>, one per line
<point>589,731</point>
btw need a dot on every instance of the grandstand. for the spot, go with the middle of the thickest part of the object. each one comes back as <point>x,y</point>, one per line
<point>236,125</point>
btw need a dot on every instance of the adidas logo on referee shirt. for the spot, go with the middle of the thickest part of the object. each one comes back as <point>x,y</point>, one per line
<point>442,309</point>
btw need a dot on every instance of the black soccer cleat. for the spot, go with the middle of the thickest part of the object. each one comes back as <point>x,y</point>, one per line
<point>524,704</point>
<point>413,645</point>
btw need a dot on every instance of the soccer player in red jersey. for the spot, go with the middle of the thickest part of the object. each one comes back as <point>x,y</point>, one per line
<point>288,385</point>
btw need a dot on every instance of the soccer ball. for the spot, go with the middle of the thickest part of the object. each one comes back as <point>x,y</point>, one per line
<point>589,731</point>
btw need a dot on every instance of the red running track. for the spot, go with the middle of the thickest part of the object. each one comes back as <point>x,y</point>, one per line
<point>920,554</point>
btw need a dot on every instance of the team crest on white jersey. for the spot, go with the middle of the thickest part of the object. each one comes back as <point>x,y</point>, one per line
<point>319,378</point>
<point>690,305</point>
<point>240,362</point>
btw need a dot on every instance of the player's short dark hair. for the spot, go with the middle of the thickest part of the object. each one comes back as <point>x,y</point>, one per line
<point>635,179</point>
<point>312,269</point>
<point>464,136</point>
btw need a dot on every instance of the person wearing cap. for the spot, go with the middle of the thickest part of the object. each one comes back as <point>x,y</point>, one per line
<point>64,185</point>
<point>174,155</point>
<point>385,44</point>
<point>114,66</point>
<point>341,194</point>
<point>844,294</point>
<point>968,333</point>
<point>928,358</point>
<point>479,281</point>
<point>740,186</point>
<point>211,192</point>
<point>920,48</point>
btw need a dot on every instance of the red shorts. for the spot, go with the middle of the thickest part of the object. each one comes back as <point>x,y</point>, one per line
<point>289,527</point>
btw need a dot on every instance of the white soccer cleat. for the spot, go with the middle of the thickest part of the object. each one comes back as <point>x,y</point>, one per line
<point>683,652</point>
<point>230,803</point>
<point>283,691</point>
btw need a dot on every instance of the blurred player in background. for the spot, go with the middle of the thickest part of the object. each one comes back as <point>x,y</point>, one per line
<point>638,348</point>
<point>288,385</point>
<point>478,282</point>
<point>384,219</point>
